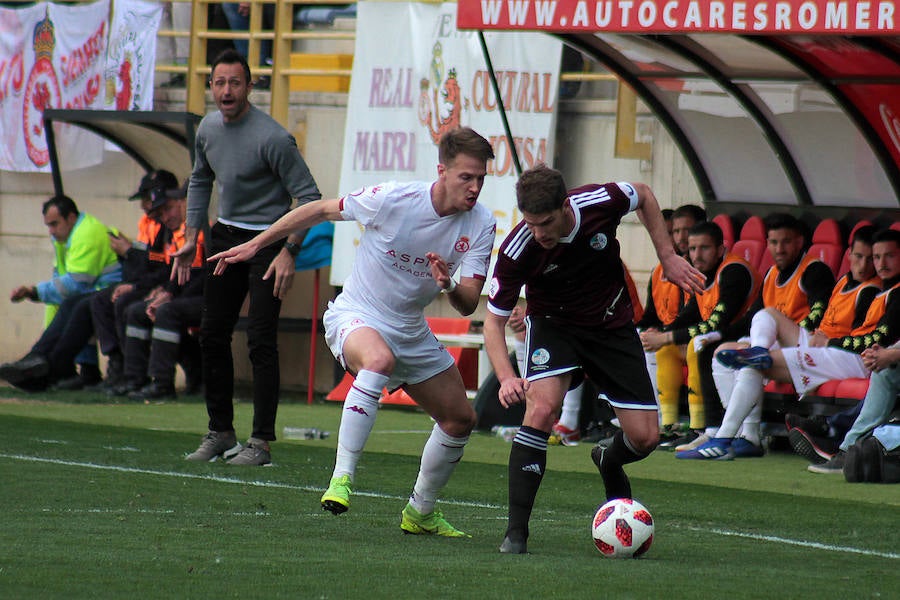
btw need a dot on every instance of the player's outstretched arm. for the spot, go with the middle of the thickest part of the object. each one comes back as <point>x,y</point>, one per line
<point>677,269</point>
<point>302,217</point>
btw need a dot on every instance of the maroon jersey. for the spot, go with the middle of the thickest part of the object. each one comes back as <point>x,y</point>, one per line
<point>580,282</point>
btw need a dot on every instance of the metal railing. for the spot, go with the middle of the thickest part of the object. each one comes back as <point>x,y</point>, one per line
<point>281,33</point>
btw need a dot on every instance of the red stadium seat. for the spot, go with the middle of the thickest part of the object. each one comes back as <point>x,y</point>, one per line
<point>827,389</point>
<point>727,226</point>
<point>775,387</point>
<point>752,243</point>
<point>754,229</point>
<point>845,261</point>
<point>852,389</point>
<point>828,245</point>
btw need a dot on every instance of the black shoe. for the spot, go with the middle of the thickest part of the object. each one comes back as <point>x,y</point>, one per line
<point>90,375</point>
<point>154,391</point>
<point>813,448</point>
<point>681,440</point>
<point>27,369</point>
<point>69,384</point>
<point>668,435</point>
<point>597,432</point>
<point>125,388</point>
<point>816,425</point>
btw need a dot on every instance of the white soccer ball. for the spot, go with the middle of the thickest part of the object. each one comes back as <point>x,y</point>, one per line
<point>622,528</point>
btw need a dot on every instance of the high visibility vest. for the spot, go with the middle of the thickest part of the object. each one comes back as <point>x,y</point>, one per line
<point>789,297</point>
<point>838,318</point>
<point>708,300</point>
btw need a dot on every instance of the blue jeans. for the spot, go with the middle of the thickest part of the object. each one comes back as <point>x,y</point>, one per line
<point>239,22</point>
<point>877,406</point>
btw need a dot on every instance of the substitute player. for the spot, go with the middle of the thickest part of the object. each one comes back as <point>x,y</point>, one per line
<point>417,236</point>
<point>579,322</point>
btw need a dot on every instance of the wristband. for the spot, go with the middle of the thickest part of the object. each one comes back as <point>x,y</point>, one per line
<point>292,248</point>
<point>450,287</point>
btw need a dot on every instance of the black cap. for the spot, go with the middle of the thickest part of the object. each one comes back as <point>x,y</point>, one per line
<point>179,193</point>
<point>156,183</point>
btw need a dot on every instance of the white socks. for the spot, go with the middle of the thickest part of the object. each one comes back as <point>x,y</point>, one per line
<point>571,408</point>
<point>747,395</point>
<point>357,419</point>
<point>439,458</point>
<point>763,330</point>
<point>650,359</point>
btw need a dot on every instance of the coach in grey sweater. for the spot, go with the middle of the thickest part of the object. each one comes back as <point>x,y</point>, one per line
<point>258,170</point>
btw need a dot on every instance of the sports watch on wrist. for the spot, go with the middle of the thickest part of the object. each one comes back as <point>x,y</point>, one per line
<point>292,248</point>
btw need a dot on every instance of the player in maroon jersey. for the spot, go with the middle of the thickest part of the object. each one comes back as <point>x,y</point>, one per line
<point>579,322</point>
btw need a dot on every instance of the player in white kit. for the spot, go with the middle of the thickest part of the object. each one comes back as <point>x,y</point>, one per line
<point>416,236</point>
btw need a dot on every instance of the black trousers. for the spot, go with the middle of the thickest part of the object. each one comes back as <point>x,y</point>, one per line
<point>109,317</point>
<point>223,296</point>
<point>153,348</point>
<point>68,333</point>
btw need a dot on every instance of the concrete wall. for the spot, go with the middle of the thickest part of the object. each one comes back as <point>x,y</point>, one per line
<point>586,134</point>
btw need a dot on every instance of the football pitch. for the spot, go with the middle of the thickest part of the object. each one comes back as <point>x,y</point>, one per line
<point>98,502</point>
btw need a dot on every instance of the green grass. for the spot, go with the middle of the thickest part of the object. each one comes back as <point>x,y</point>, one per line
<point>98,502</point>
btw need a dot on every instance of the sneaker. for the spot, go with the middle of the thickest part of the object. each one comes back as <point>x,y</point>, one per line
<point>814,425</point>
<point>698,441</point>
<point>69,384</point>
<point>597,432</point>
<point>214,445</point>
<point>667,435</point>
<point>561,435</point>
<point>835,464</point>
<point>813,448</point>
<point>154,391</point>
<point>680,440</point>
<point>30,367</point>
<point>714,449</point>
<point>744,448</point>
<point>336,498</point>
<point>510,546</point>
<point>431,524</point>
<point>254,454</point>
<point>755,357</point>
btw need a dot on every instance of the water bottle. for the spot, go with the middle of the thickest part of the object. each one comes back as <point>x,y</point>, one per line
<point>305,433</point>
<point>507,432</point>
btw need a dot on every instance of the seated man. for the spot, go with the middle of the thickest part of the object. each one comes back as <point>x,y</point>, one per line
<point>875,409</point>
<point>84,262</point>
<point>144,268</point>
<point>664,301</point>
<point>156,327</point>
<point>817,359</point>
<point>798,286</point>
<point>732,286</point>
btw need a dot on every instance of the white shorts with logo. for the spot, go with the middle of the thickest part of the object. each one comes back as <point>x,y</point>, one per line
<point>811,367</point>
<point>417,357</point>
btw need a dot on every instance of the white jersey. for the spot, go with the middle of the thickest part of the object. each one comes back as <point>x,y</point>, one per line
<point>391,278</point>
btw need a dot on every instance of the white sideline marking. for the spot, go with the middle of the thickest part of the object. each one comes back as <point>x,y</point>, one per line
<point>220,479</point>
<point>307,488</point>
<point>790,542</point>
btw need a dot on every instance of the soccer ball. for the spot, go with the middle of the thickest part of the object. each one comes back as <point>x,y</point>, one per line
<point>622,528</point>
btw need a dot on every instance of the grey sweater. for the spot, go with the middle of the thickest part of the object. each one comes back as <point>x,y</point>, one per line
<point>257,167</point>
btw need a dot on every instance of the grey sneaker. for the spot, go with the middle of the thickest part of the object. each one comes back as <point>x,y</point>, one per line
<point>255,454</point>
<point>834,465</point>
<point>214,445</point>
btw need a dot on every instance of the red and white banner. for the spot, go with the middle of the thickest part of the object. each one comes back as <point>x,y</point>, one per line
<point>55,56</point>
<point>414,77</point>
<point>869,17</point>
<point>132,55</point>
